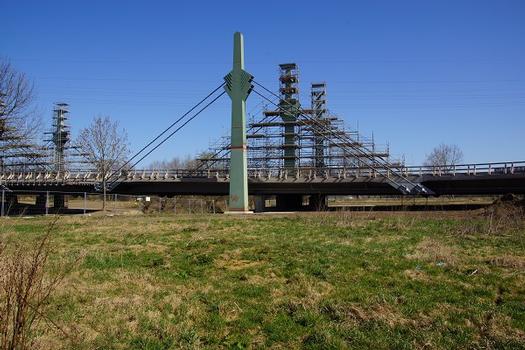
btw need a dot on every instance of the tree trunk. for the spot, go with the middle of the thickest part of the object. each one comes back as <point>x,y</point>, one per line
<point>104,193</point>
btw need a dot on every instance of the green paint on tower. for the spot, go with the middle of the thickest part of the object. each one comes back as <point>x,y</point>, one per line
<point>238,86</point>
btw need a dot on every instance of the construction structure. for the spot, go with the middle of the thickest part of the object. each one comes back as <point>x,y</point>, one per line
<point>17,151</point>
<point>62,153</point>
<point>60,135</point>
<point>290,136</point>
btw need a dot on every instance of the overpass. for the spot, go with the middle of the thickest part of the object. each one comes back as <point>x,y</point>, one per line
<point>289,187</point>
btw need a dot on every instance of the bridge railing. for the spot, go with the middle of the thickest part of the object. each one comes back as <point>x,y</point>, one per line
<point>90,177</point>
<point>84,176</point>
<point>496,168</point>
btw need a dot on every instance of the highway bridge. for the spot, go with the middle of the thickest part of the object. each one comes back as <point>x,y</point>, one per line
<point>289,187</point>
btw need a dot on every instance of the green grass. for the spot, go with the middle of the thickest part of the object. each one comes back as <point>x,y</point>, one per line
<point>319,281</point>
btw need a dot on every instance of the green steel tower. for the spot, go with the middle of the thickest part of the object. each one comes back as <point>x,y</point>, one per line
<point>238,86</point>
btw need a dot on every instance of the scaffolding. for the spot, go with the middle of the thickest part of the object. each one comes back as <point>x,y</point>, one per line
<point>17,152</point>
<point>62,154</point>
<point>292,137</point>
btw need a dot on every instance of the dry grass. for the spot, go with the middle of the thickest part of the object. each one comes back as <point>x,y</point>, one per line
<point>321,280</point>
<point>434,251</point>
<point>25,291</point>
<point>502,217</point>
<point>516,263</point>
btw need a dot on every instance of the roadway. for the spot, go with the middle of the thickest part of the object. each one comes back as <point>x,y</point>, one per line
<point>481,183</point>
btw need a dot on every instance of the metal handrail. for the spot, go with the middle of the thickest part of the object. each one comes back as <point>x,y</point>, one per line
<point>87,176</point>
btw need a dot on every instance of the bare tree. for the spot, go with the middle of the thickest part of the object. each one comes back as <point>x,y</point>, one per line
<point>187,162</point>
<point>19,122</point>
<point>445,156</point>
<point>174,163</point>
<point>17,93</point>
<point>105,146</point>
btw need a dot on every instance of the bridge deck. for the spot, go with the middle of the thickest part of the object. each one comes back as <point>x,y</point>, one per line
<point>331,182</point>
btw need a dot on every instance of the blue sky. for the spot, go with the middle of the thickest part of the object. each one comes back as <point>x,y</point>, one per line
<point>413,73</point>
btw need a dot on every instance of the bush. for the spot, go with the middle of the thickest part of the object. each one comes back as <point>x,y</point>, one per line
<point>25,289</point>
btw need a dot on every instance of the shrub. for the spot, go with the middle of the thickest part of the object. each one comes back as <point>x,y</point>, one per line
<point>25,289</point>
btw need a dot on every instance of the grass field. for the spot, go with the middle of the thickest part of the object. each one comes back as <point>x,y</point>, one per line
<point>316,281</point>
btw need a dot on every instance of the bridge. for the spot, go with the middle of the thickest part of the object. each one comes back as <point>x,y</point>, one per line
<point>288,186</point>
<point>314,156</point>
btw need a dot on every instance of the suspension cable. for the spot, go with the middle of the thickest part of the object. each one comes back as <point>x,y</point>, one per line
<point>170,135</point>
<point>298,111</point>
<point>171,126</point>
<point>226,147</point>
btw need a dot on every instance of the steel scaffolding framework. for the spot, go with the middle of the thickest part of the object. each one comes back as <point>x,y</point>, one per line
<point>17,151</point>
<point>61,152</point>
<point>57,153</point>
<point>284,138</point>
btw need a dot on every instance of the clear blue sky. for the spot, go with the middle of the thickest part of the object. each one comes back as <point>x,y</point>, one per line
<point>414,73</point>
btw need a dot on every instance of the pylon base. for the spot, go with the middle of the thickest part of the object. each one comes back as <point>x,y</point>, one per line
<point>238,212</point>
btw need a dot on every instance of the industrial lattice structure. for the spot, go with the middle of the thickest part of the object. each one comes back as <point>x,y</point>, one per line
<point>292,136</point>
<point>18,153</point>
<point>62,153</point>
<point>60,135</point>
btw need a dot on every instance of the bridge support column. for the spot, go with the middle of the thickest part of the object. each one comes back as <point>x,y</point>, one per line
<point>289,202</point>
<point>11,200</point>
<point>59,201</point>
<point>238,86</point>
<point>8,202</point>
<point>40,203</point>
<point>259,204</point>
<point>317,202</point>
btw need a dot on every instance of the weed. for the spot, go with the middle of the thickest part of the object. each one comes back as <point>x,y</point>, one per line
<point>25,291</point>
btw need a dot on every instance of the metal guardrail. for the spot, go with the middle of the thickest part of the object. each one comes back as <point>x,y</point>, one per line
<point>90,178</point>
<point>496,168</point>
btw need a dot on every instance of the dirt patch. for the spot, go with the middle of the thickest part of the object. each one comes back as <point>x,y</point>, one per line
<point>508,261</point>
<point>269,277</point>
<point>416,275</point>
<point>434,251</point>
<point>494,326</point>
<point>356,314</point>
<point>505,214</point>
<point>232,261</point>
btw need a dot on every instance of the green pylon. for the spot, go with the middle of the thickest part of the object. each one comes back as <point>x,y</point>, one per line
<point>238,86</point>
